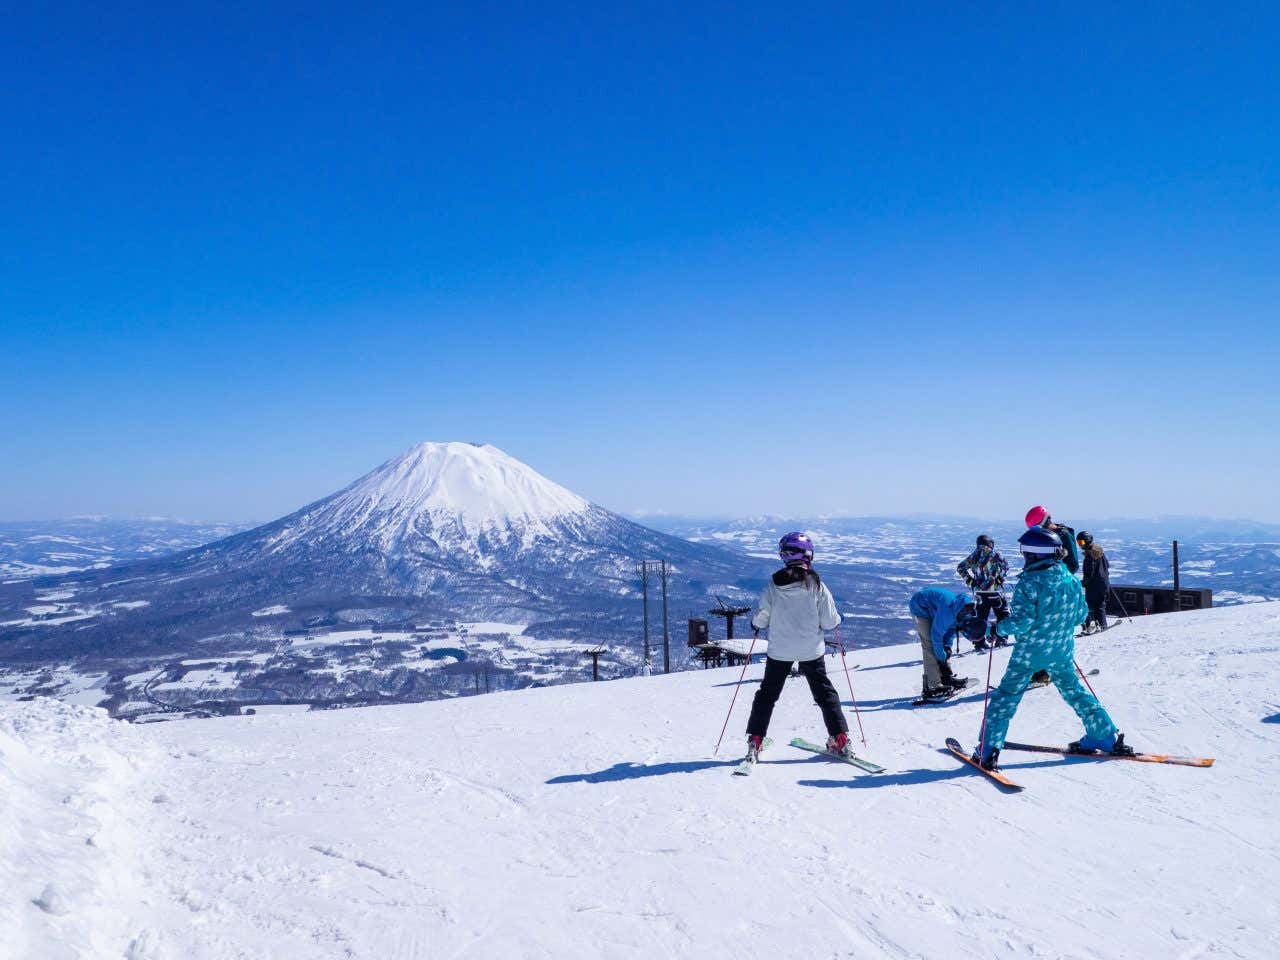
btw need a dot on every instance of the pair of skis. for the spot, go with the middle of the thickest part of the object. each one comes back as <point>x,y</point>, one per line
<point>954,746</point>
<point>744,768</point>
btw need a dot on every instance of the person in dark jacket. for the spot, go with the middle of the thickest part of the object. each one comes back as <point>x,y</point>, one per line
<point>1097,579</point>
<point>983,571</point>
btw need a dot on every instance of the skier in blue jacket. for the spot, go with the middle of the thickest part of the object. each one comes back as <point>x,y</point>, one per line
<point>1048,605</point>
<point>939,616</point>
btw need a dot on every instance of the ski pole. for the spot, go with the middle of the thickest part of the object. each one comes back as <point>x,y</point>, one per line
<point>1127,615</point>
<point>856,712</point>
<point>737,686</point>
<point>1085,679</point>
<point>982,740</point>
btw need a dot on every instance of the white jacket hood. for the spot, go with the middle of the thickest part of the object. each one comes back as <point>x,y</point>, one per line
<point>795,614</point>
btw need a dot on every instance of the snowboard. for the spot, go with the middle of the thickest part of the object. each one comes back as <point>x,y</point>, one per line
<point>921,701</point>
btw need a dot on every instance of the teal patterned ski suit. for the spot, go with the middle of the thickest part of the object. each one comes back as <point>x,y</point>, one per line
<point>1048,605</point>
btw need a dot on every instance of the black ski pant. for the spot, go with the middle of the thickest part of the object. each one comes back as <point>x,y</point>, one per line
<point>1095,595</point>
<point>989,600</point>
<point>820,685</point>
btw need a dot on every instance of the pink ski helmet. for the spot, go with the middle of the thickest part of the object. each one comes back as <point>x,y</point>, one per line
<point>1036,516</point>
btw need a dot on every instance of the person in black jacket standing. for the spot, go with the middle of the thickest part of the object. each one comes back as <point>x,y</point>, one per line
<point>1097,579</point>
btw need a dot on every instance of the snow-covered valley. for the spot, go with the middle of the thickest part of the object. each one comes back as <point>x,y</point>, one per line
<point>592,820</point>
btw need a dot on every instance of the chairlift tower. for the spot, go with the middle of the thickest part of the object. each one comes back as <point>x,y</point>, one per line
<point>724,610</point>
<point>647,568</point>
<point>595,660</point>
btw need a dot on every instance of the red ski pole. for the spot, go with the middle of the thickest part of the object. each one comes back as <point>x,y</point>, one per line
<point>1085,679</point>
<point>856,712</point>
<point>982,741</point>
<point>736,687</point>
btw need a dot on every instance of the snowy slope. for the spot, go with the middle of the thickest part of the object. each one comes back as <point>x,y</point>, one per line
<point>593,821</point>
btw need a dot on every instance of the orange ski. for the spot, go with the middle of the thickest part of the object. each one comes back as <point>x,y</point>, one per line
<point>1140,757</point>
<point>954,746</point>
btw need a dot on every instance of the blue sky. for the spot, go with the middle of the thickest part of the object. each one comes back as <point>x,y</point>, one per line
<point>686,257</point>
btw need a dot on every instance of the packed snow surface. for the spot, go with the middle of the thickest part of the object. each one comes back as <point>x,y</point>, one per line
<point>593,821</point>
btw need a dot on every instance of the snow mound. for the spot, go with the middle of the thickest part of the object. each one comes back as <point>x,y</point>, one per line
<point>594,820</point>
<point>68,851</point>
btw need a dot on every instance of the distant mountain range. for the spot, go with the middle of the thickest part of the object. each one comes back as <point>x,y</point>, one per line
<point>41,548</point>
<point>1238,559</point>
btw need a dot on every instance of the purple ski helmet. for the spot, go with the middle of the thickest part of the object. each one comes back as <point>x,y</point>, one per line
<point>796,549</point>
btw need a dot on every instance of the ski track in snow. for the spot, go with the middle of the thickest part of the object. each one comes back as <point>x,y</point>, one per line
<point>593,821</point>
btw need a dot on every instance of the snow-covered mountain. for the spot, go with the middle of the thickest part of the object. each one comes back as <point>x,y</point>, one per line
<point>501,539</point>
<point>594,821</point>
<point>442,535</point>
<point>457,492</point>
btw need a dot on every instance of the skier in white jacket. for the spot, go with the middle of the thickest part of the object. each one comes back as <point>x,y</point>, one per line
<point>796,607</point>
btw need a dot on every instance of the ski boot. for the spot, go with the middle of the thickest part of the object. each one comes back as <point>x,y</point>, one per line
<point>980,646</point>
<point>948,677</point>
<point>950,680</point>
<point>934,694</point>
<point>1113,745</point>
<point>754,746</point>
<point>839,745</point>
<point>1122,749</point>
<point>990,762</point>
